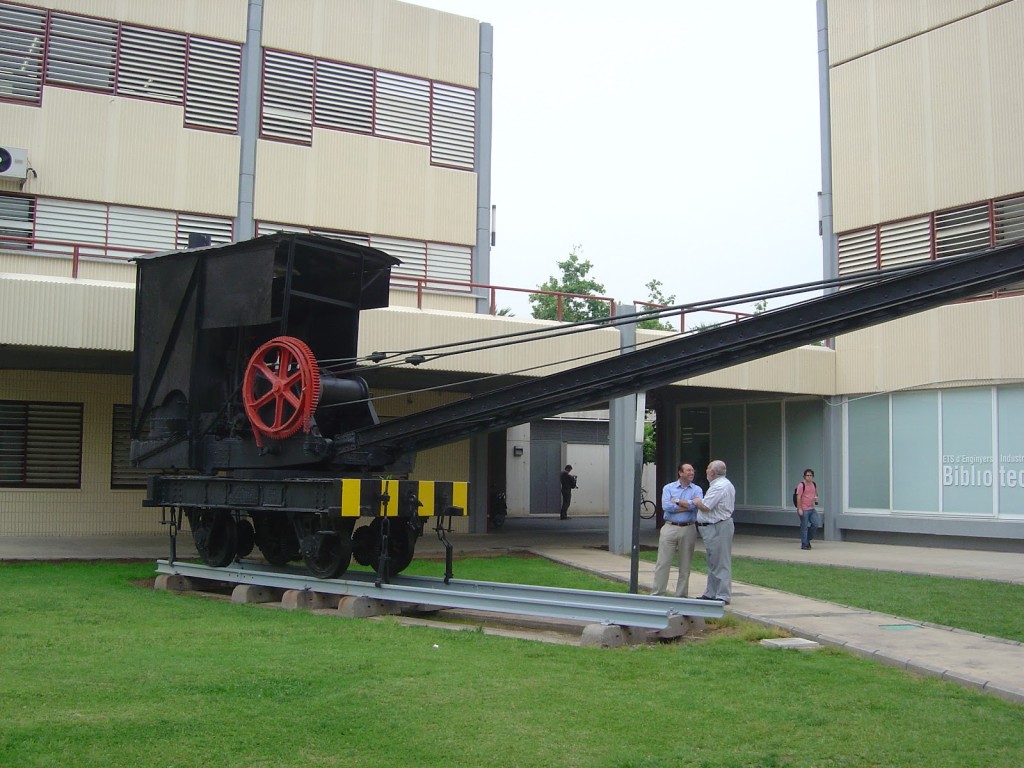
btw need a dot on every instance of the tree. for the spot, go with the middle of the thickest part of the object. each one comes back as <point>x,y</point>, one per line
<point>655,296</point>
<point>575,279</point>
<point>650,440</point>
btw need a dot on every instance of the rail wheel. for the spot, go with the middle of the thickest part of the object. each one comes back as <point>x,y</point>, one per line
<point>215,535</point>
<point>327,553</point>
<point>246,537</point>
<point>366,544</point>
<point>275,536</point>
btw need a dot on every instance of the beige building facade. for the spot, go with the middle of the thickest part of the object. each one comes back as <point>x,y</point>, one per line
<point>133,126</point>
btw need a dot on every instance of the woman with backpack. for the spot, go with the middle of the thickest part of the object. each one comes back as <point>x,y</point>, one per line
<point>805,496</point>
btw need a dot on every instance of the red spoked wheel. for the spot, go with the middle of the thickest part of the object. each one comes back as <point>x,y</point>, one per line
<point>281,388</point>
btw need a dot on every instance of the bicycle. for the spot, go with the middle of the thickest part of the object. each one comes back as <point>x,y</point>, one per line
<point>647,507</point>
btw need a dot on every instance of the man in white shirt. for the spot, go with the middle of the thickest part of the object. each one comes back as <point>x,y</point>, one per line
<point>715,525</point>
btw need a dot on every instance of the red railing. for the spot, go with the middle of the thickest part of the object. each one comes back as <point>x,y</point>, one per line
<point>69,250</point>
<point>421,284</point>
<point>680,315</point>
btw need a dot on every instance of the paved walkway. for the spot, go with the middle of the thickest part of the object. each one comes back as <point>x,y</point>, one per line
<point>988,664</point>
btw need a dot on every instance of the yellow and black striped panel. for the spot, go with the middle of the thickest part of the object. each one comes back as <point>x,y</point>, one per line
<point>423,498</point>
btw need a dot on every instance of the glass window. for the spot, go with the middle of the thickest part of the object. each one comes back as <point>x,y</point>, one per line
<point>915,451</point>
<point>804,444</point>
<point>763,454</point>
<point>728,435</point>
<point>967,466</point>
<point>1010,401</point>
<point>867,428</point>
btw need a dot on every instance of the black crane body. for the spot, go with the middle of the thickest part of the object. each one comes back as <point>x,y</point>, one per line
<point>260,444</point>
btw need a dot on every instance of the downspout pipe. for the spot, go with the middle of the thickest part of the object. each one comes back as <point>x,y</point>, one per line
<point>249,121</point>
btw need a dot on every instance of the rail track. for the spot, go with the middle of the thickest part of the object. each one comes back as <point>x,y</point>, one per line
<point>602,608</point>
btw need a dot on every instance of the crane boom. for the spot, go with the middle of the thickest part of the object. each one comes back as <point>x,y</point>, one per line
<point>889,297</point>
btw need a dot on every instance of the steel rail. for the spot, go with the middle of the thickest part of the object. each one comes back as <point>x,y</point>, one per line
<point>630,610</point>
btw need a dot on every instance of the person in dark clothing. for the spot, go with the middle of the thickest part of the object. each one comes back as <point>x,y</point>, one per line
<point>568,482</point>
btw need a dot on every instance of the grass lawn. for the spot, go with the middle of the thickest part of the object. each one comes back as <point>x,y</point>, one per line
<point>987,607</point>
<point>97,671</point>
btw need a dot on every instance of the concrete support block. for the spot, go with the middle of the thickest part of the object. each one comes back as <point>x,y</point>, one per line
<point>251,593</point>
<point>603,635</point>
<point>682,626</point>
<point>173,582</point>
<point>360,607</point>
<point>304,600</point>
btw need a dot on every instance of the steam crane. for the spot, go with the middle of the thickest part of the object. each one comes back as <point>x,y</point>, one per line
<point>260,445</point>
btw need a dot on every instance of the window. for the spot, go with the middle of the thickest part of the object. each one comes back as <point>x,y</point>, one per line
<point>220,230</point>
<point>151,64</point>
<point>857,251</point>
<point>453,126</point>
<point>22,41</point>
<point>403,108</point>
<point>287,97</point>
<point>16,217</point>
<point>40,445</point>
<point>1009,220</point>
<point>122,473</point>
<point>300,92</point>
<point>82,52</point>
<point>213,82</point>
<point>344,97</point>
<point>97,54</point>
<point>961,231</point>
<point>119,231</point>
<point>905,242</point>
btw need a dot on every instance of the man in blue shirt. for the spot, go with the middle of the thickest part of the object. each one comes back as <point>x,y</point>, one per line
<point>679,532</point>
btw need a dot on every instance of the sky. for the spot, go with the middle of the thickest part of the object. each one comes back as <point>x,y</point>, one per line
<point>674,140</point>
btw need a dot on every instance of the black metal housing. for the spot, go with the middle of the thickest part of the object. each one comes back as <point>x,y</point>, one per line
<point>200,315</point>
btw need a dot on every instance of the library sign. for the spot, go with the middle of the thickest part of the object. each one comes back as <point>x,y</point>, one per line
<point>959,470</point>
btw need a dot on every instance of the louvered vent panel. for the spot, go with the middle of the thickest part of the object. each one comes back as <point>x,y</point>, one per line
<point>16,217</point>
<point>213,84</point>
<point>450,262</point>
<point>344,97</point>
<point>961,231</point>
<point>287,97</point>
<point>403,107</point>
<point>1009,215</point>
<point>219,229</point>
<point>22,41</point>
<point>40,444</point>
<point>73,222</point>
<point>53,454</point>
<point>140,229</point>
<point>82,52</point>
<point>151,64</point>
<point>412,254</point>
<point>453,126</point>
<point>905,242</point>
<point>122,473</point>
<point>267,228</point>
<point>857,252</point>
<point>347,237</point>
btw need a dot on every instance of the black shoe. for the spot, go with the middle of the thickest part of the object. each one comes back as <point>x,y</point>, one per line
<point>805,546</point>
<point>706,597</point>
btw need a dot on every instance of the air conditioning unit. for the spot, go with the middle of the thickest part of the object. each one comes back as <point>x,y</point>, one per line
<point>13,163</point>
